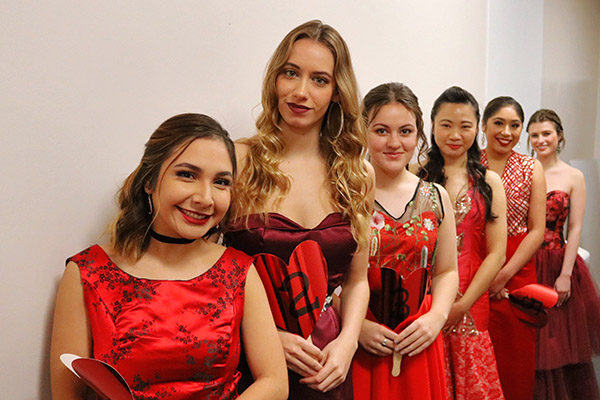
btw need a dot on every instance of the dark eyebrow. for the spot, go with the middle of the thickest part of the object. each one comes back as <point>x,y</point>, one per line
<point>197,169</point>
<point>289,64</point>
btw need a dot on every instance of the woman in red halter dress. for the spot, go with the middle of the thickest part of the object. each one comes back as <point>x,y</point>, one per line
<point>304,177</point>
<point>525,187</point>
<point>412,246</point>
<point>565,346</point>
<point>480,212</point>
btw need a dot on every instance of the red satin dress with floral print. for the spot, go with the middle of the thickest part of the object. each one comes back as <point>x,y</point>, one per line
<point>470,360</point>
<point>514,341</point>
<point>170,339</point>
<point>565,346</point>
<point>397,243</point>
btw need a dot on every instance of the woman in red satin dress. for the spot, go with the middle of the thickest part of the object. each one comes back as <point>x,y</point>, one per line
<point>163,304</point>
<point>525,187</point>
<point>304,177</point>
<point>413,235</point>
<point>480,211</point>
<point>564,369</point>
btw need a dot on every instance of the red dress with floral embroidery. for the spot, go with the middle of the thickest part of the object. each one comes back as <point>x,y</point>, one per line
<point>470,360</point>
<point>564,368</point>
<point>169,339</point>
<point>397,243</point>
<point>514,341</point>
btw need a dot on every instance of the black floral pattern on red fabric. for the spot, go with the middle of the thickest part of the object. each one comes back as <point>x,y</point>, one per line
<point>162,335</point>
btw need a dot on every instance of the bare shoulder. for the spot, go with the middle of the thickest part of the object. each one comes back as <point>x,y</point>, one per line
<point>574,174</point>
<point>242,149</point>
<point>370,170</point>
<point>492,178</point>
<point>442,191</point>
<point>414,168</point>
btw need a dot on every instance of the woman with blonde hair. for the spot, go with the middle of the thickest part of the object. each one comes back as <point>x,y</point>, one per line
<point>565,346</point>
<point>304,178</point>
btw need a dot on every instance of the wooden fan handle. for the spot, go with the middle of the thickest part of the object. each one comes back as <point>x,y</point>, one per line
<point>397,360</point>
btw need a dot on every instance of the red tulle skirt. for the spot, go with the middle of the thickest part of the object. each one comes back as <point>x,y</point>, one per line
<point>513,340</point>
<point>566,345</point>
<point>422,376</point>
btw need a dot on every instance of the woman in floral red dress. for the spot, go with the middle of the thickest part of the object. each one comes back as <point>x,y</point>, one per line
<point>564,368</point>
<point>525,187</point>
<point>412,235</point>
<point>480,212</point>
<point>162,303</point>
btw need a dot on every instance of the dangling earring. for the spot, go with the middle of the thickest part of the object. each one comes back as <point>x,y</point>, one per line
<point>482,140</point>
<point>150,204</point>
<point>334,137</point>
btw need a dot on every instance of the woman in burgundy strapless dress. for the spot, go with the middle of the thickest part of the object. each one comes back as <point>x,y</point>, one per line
<point>304,177</point>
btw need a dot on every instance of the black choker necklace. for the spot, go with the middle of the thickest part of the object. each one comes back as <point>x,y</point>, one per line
<point>168,239</point>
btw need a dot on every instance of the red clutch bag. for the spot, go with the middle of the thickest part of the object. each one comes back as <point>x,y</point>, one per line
<point>529,301</point>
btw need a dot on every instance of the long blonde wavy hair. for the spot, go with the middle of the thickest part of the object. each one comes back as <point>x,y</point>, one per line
<point>342,141</point>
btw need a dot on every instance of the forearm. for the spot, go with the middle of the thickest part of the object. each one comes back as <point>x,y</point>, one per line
<point>482,279</point>
<point>354,301</point>
<point>527,248</point>
<point>570,252</point>
<point>267,388</point>
<point>444,287</point>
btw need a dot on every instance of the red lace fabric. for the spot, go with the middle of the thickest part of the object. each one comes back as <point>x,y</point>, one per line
<point>470,361</point>
<point>566,344</point>
<point>397,243</point>
<point>169,339</point>
<point>516,180</point>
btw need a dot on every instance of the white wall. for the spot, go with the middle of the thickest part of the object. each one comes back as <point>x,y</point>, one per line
<point>514,55</point>
<point>85,83</point>
<point>571,87</point>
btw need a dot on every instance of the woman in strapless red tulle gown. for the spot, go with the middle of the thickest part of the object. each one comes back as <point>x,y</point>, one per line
<point>304,177</point>
<point>565,346</point>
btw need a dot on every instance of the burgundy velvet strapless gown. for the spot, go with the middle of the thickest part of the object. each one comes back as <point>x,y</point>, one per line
<point>280,236</point>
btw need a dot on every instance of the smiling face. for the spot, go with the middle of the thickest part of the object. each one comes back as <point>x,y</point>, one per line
<point>455,129</point>
<point>543,138</point>
<point>392,136</point>
<point>503,130</point>
<point>193,191</point>
<point>305,86</point>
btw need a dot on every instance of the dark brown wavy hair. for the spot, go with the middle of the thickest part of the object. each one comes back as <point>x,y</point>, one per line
<point>129,230</point>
